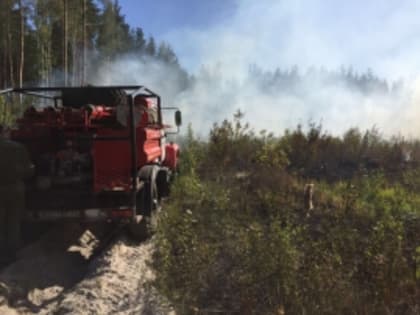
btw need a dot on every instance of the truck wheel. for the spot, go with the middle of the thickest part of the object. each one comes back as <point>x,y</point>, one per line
<point>144,226</point>
<point>149,198</point>
<point>162,181</point>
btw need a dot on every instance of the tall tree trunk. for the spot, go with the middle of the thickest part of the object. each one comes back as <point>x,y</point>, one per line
<point>4,66</point>
<point>76,61</point>
<point>84,44</point>
<point>49,64</point>
<point>10,48</point>
<point>65,42</point>
<point>22,43</point>
<point>10,52</point>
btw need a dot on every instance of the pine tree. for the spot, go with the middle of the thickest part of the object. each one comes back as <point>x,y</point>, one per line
<point>114,34</point>
<point>139,40</point>
<point>44,41</point>
<point>151,47</point>
<point>166,54</point>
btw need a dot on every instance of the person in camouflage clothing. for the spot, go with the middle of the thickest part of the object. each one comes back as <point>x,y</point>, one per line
<point>15,167</point>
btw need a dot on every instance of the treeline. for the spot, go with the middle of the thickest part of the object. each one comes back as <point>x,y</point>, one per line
<point>52,42</point>
<point>298,80</point>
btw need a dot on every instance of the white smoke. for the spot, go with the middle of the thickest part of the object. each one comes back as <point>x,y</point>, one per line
<point>273,33</point>
<point>376,34</point>
<point>335,106</point>
<point>135,70</point>
<point>215,96</point>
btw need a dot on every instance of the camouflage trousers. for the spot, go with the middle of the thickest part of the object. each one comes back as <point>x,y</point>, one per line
<point>11,209</point>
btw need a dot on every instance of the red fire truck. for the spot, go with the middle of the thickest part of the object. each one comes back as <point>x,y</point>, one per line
<point>100,153</point>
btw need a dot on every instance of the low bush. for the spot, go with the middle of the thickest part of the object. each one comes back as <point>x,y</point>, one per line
<point>236,237</point>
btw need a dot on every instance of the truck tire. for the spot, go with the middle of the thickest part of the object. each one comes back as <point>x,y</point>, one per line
<point>163,179</point>
<point>149,196</point>
<point>144,226</point>
<point>148,204</point>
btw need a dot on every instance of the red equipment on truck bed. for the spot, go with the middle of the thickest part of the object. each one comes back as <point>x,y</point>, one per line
<point>99,152</point>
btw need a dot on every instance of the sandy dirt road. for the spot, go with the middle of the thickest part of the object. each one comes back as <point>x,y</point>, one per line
<point>54,275</point>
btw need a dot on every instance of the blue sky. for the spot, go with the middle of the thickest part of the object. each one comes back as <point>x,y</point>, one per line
<point>158,17</point>
<point>382,35</point>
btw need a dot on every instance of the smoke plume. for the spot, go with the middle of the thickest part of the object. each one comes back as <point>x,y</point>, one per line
<point>271,34</point>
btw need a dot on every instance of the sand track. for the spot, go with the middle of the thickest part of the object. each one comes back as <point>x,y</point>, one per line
<point>54,275</point>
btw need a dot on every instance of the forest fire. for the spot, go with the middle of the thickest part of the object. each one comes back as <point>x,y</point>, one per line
<point>297,190</point>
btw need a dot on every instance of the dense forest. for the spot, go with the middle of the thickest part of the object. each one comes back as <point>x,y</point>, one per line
<point>51,42</point>
<point>289,80</point>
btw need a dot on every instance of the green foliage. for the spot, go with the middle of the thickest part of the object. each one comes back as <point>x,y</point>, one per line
<point>191,154</point>
<point>6,116</point>
<point>9,110</point>
<point>215,255</point>
<point>235,237</point>
<point>108,37</point>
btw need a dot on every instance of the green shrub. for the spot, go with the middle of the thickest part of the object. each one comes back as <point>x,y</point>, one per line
<point>235,236</point>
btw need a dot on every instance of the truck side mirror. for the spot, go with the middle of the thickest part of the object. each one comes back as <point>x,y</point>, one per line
<point>178,118</point>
